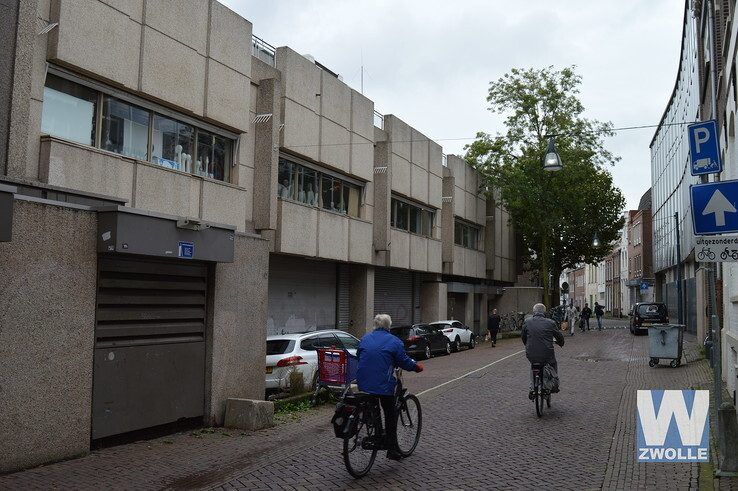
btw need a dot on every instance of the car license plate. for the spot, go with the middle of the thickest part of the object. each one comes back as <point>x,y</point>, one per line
<point>268,369</point>
<point>647,323</point>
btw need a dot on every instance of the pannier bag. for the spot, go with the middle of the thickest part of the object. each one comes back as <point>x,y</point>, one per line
<point>344,420</point>
<point>550,378</point>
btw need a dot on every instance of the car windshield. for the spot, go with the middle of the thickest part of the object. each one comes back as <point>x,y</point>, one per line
<point>280,346</point>
<point>652,310</point>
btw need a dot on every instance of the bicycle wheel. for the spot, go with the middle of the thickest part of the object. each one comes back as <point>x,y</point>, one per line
<point>409,424</point>
<point>548,401</point>
<point>539,396</point>
<point>359,460</point>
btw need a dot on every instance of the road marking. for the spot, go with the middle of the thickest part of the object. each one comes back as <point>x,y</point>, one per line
<point>467,374</point>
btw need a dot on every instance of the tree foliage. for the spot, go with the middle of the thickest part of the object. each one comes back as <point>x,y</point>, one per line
<point>556,214</point>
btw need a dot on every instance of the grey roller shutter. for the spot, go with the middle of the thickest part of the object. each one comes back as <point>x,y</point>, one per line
<point>302,295</point>
<point>343,296</point>
<point>416,298</point>
<point>149,360</point>
<point>393,295</point>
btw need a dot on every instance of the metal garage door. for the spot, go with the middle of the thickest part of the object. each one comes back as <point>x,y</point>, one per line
<point>393,295</point>
<point>149,362</point>
<point>302,295</point>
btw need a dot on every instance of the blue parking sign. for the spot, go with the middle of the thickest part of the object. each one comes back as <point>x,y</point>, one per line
<point>704,148</point>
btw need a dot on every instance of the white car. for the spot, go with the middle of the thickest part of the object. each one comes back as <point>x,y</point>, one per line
<point>457,333</point>
<point>285,351</point>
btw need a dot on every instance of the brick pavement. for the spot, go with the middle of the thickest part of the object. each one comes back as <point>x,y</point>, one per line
<point>480,432</point>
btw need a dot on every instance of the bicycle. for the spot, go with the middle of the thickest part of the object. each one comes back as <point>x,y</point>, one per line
<point>540,393</point>
<point>705,253</point>
<point>366,436</point>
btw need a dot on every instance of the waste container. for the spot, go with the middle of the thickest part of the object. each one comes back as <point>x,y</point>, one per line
<point>665,343</point>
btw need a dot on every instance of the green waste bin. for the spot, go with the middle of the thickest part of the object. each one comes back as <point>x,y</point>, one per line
<point>665,343</point>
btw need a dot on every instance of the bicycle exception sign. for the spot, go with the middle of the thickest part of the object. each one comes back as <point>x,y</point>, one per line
<point>717,248</point>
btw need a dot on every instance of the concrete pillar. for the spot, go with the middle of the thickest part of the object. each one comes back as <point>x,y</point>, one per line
<point>447,221</point>
<point>433,300</point>
<point>361,299</point>
<point>728,438</point>
<point>469,309</point>
<point>266,155</point>
<point>236,339</point>
<point>382,194</point>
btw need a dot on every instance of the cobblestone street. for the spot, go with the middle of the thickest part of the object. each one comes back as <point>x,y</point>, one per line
<point>479,432</point>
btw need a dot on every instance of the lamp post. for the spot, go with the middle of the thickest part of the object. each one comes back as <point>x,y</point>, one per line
<point>551,161</point>
<point>595,241</point>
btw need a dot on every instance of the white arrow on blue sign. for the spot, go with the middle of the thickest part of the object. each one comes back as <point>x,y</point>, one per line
<point>714,207</point>
<point>704,148</point>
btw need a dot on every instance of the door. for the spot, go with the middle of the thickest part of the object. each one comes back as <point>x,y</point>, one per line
<point>149,357</point>
<point>393,295</point>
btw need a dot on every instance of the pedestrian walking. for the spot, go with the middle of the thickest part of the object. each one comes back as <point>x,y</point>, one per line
<point>572,317</point>
<point>586,314</point>
<point>599,313</point>
<point>493,326</point>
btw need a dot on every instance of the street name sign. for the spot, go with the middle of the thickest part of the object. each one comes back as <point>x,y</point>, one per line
<point>714,207</point>
<point>704,148</point>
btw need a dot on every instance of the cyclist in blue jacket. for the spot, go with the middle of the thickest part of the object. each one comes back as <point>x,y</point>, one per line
<point>379,353</point>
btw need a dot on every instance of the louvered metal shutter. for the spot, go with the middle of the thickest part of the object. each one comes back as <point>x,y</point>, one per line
<point>393,295</point>
<point>343,296</point>
<point>416,298</point>
<point>302,295</point>
<point>149,361</point>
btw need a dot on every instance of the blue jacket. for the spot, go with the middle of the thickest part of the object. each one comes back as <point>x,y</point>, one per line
<point>379,353</point>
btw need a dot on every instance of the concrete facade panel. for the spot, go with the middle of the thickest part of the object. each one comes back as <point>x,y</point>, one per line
<point>301,131</point>
<point>297,231</point>
<point>470,207</point>
<point>435,263</point>
<point>335,100</point>
<point>335,148</point>
<point>230,39</point>
<point>399,249</point>
<point>419,183</point>
<point>237,337</point>
<point>457,166</point>
<point>400,175</point>
<point>132,8</point>
<point>166,191</point>
<point>419,148</point>
<point>481,211</point>
<point>228,95</point>
<point>225,204</point>
<point>300,78</point>
<point>172,72</point>
<point>400,135</point>
<point>76,167</point>
<point>362,157</point>
<point>435,152</point>
<point>362,115</point>
<point>435,191</point>
<point>418,253</point>
<point>459,261</point>
<point>189,27</point>
<point>47,314</point>
<point>360,241</point>
<point>333,236</point>
<point>109,49</point>
<point>459,202</point>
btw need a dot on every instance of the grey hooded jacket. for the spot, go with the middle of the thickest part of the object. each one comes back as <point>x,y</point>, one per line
<point>538,337</point>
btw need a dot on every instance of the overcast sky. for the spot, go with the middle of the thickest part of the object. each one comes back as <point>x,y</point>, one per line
<point>430,62</point>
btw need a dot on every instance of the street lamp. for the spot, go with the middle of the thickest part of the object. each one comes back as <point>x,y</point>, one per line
<point>595,241</point>
<point>551,162</point>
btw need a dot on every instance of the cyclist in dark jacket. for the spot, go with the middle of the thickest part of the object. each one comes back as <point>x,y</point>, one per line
<point>586,314</point>
<point>379,353</point>
<point>538,335</point>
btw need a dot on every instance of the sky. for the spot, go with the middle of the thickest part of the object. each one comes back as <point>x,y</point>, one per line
<point>430,62</point>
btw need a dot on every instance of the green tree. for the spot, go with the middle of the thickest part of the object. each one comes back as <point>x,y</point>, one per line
<point>556,214</point>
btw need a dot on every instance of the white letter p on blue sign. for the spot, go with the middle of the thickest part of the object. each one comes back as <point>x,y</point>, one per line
<point>673,426</point>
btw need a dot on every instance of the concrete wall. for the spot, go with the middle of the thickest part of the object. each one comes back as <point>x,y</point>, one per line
<point>47,323</point>
<point>8,29</point>
<point>414,252</point>
<point>237,337</point>
<point>517,299</point>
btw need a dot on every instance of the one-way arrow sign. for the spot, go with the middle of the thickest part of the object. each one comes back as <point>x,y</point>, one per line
<point>714,207</point>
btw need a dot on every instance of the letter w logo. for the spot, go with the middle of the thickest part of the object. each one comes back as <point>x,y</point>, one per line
<point>655,425</point>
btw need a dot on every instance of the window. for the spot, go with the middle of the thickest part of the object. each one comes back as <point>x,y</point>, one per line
<point>125,129</point>
<point>69,111</point>
<point>349,342</point>
<point>414,219</point>
<point>305,185</point>
<point>465,235</point>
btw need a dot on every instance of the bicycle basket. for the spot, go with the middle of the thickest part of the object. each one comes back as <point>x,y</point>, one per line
<point>343,420</point>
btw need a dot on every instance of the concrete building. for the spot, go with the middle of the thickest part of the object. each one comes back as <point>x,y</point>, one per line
<point>169,198</point>
<point>670,178</point>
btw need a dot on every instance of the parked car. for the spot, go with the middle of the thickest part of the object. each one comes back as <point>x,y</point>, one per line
<point>457,333</point>
<point>645,314</point>
<point>285,351</point>
<point>422,340</point>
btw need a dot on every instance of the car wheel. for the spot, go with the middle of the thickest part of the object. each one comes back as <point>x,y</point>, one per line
<point>457,345</point>
<point>448,348</point>
<point>427,353</point>
<point>472,342</point>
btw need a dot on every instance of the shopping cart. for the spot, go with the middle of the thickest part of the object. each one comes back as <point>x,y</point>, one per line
<point>336,371</point>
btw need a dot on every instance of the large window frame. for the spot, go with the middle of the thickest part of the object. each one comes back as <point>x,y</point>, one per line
<point>411,218</point>
<point>310,186</point>
<point>223,144</point>
<point>466,234</point>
